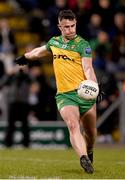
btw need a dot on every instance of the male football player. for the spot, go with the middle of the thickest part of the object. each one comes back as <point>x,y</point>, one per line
<point>72,63</point>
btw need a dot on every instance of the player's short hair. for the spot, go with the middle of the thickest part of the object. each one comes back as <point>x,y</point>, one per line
<point>66,14</point>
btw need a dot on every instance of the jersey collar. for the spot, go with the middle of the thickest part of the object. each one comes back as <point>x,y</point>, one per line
<point>69,40</point>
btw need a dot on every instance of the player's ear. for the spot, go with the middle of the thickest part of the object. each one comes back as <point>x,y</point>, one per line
<point>76,22</point>
<point>59,27</point>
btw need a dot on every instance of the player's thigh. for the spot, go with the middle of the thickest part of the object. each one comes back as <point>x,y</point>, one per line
<point>88,120</point>
<point>70,115</point>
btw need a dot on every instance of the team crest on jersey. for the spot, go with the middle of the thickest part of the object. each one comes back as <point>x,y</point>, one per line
<point>88,50</point>
<point>77,40</point>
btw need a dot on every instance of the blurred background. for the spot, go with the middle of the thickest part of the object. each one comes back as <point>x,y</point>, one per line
<point>28,113</point>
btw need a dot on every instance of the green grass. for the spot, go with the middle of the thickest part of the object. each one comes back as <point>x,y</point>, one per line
<point>109,163</point>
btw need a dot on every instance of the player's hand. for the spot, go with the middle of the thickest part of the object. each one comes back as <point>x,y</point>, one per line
<point>101,94</point>
<point>21,60</point>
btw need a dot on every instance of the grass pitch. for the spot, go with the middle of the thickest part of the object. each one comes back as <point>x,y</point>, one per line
<point>109,163</point>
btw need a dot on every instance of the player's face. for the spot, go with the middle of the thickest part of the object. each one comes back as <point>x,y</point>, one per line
<point>68,28</point>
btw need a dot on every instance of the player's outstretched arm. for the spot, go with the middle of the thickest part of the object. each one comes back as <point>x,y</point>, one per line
<point>32,55</point>
<point>36,53</point>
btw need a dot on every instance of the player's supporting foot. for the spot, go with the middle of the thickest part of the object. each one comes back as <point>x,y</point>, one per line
<point>90,155</point>
<point>86,164</point>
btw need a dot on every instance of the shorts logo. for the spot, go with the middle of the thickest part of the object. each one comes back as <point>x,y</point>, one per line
<point>60,104</point>
<point>88,50</point>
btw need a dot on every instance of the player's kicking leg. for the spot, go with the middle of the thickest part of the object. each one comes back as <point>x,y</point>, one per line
<point>89,124</point>
<point>71,116</point>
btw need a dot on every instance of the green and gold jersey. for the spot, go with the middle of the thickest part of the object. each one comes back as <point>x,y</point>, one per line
<point>67,61</point>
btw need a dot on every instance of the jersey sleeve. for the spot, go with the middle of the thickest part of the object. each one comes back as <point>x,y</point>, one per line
<point>85,49</point>
<point>48,44</point>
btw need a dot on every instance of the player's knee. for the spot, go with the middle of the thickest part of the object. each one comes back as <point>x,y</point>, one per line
<point>73,127</point>
<point>92,132</point>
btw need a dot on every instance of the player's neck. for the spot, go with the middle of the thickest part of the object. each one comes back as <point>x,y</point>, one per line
<point>65,40</point>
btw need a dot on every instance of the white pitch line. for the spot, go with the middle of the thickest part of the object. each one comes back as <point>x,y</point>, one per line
<point>48,160</point>
<point>34,159</point>
<point>121,162</point>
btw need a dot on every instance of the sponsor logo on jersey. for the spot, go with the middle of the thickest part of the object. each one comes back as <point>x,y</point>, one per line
<point>88,50</point>
<point>61,56</point>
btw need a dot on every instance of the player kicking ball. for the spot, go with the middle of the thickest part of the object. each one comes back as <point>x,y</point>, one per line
<point>72,63</point>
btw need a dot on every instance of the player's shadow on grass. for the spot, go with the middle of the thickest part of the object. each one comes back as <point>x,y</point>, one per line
<point>76,172</point>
